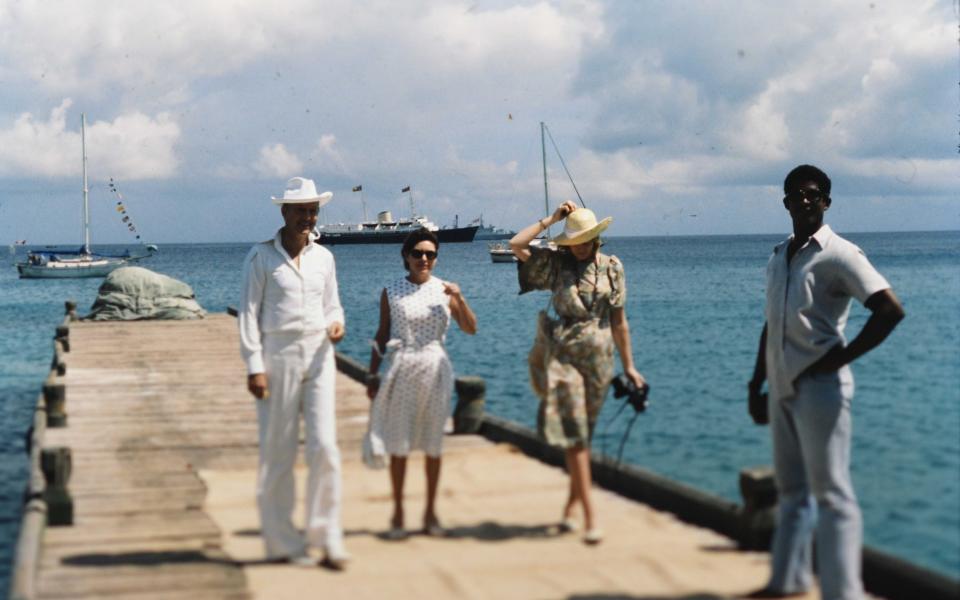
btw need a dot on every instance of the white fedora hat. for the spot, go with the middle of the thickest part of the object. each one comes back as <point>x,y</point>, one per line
<point>301,190</point>
<point>581,226</point>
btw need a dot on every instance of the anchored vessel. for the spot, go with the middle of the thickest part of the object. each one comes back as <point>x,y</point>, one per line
<point>387,230</point>
<point>491,232</point>
<point>500,252</point>
<point>59,264</point>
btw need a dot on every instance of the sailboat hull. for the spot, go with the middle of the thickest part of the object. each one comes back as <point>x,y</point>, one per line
<point>75,264</point>
<point>69,269</point>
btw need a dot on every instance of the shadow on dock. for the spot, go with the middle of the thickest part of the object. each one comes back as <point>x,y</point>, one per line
<point>145,559</point>
<point>629,597</point>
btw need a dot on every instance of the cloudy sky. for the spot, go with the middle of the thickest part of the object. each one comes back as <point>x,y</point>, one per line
<point>674,117</point>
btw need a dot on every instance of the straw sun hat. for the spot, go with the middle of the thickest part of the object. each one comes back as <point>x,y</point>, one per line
<point>581,226</point>
<point>301,190</point>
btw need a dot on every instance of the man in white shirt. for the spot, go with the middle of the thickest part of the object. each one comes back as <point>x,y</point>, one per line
<point>290,317</point>
<point>804,356</point>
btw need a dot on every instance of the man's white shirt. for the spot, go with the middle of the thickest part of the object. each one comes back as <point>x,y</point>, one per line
<point>808,302</point>
<point>279,298</point>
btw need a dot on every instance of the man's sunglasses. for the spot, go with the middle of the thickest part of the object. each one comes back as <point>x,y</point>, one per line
<point>800,195</point>
<point>418,254</point>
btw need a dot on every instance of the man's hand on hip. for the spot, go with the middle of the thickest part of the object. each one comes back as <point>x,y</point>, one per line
<point>336,332</point>
<point>831,362</point>
<point>257,384</point>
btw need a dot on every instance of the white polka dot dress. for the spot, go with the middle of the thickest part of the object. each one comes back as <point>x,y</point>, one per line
<point>413,402</point>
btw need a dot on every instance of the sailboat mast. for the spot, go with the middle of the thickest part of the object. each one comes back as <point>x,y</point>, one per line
<point>86,203</point>
<point>546,193</point>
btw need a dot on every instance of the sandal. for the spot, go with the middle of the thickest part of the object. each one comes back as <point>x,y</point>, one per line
<point>433,529</point>
<point>593,537</point>
<point>567,525</point>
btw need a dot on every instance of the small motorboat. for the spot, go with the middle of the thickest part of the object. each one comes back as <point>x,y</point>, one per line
<point>500,252</point>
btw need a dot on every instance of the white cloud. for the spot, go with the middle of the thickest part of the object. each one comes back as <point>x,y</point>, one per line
<point>761,132</point>
<point>326,157</point>
<point>277,161</point>
<point>132,146</point>
<point>687,98</point>
<point>32,147</point>
<point>135,146</point>
<point>461,35</point>
<point>906,175</point>
<point>146,49</point>
<point>63,45</point>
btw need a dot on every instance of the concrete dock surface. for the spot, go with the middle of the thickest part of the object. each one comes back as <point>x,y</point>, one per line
<point>163,437</point>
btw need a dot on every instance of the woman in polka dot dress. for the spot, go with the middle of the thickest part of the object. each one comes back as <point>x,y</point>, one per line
<point>411,406</point>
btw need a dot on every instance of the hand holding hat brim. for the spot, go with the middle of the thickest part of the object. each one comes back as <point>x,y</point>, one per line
<point>572,238</point>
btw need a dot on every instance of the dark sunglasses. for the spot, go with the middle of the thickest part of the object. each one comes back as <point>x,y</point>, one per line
<point>418,254</point>
<point>800,195</point>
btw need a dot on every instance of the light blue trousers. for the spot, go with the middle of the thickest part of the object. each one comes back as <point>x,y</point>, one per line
<point>811,454</point>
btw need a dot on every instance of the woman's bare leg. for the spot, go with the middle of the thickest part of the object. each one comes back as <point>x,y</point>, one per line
<point>432,468</point>
<point>580,478</point>
<point>572,497</point>
<point>398,472</point>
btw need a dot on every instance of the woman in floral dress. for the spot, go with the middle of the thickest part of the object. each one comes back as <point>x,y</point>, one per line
<point>411,406</point>
<point>571,364</point>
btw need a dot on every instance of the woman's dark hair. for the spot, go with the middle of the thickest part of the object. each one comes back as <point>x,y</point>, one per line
<point>597,244</point>
<point>806,173</point>
<point>414,238</point>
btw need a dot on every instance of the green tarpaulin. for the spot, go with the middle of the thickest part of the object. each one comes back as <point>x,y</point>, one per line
<point>135,293</point>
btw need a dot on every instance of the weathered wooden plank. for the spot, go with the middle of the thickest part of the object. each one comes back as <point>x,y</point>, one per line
<point>148,403</point>
<point>101,529</point>
<point>99,576</point>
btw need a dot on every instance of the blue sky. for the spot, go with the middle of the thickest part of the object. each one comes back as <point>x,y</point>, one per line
<point>675,117</point>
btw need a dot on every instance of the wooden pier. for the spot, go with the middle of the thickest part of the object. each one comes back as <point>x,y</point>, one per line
<point>162,436</point>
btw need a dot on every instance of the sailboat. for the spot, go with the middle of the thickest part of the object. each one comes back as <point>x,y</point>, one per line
<point>501,253</point>
<point>59,264</point>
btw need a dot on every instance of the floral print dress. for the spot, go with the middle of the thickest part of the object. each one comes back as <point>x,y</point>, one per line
<point>572,362</point>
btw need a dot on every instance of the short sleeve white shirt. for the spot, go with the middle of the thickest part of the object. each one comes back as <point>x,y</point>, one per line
<point>277,297</point>
<point>808,301</point>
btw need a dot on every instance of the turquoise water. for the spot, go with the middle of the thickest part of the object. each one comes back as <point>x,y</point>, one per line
<point>695,309</point>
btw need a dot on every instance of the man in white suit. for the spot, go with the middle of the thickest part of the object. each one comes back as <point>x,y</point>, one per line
<point>290,317</point>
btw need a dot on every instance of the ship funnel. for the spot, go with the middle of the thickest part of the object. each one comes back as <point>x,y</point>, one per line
<point>384,216</point>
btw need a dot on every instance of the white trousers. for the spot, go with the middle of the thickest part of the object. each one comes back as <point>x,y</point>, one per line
<point>301,375</point>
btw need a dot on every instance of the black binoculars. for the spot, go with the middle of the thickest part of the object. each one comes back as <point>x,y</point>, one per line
<point>636,396</point>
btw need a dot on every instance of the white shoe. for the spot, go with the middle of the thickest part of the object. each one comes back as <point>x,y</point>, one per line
<point>592,537</point>
<point>303,560</point>
<point>336,557</point>
<point>567,525</point>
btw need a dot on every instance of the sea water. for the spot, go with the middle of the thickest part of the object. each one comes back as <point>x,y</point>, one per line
<point>695,306</point>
